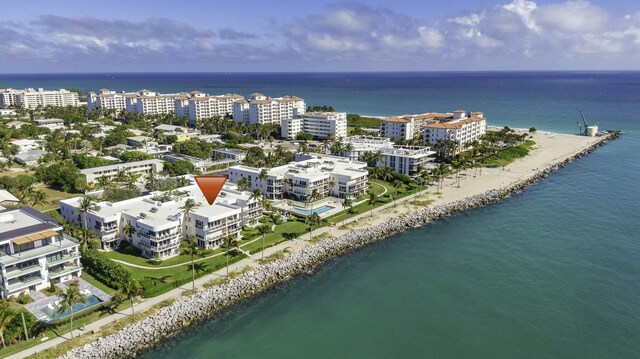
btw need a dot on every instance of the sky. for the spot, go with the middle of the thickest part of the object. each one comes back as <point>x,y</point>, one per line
<point>287,35</point>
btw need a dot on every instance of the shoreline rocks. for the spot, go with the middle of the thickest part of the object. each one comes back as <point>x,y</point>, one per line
<point>168,321</point>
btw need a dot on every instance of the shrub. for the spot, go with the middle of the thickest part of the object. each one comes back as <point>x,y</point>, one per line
<point>98,265</point>
<point>24,298</point>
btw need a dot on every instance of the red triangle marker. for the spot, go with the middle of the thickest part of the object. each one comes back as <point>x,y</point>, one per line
<point>210,186</point>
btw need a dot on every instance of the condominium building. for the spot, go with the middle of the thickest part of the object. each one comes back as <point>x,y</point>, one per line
<point>34,252</point>
<point>408,127</point>
<point>32,98</point>
<point>201,105</point>
<point>407,160</point>
<point>357,146</point>
<point>151,103</point>
<point>159,222</point>
<point>319,124</point>
<point>465,127</point>
<point>144,168</point>
<point>329,175</point>
<point>107,99</point>
<point>262,109</point>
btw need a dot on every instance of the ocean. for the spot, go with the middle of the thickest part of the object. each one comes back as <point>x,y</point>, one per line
<point>551,272</point>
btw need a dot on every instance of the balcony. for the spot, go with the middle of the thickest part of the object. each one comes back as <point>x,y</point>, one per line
<point>64,258</point>
<point>164,246</point>
<point>17,272</point>
<point>59,272</point>
<point>25,283</point>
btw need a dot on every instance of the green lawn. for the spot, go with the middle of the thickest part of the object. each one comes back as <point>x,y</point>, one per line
<point>360,121</point>
<point>139,260</point>
<point>158,281</point>
<point>98,284</point>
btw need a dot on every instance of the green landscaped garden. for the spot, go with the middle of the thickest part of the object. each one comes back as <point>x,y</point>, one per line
<point>507,155</point>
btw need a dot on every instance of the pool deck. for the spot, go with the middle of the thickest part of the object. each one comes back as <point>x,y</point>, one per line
<point>40,300</point>
<point>337,207</point>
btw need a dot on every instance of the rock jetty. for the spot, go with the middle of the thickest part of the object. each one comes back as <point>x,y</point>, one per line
<point>169,320</point>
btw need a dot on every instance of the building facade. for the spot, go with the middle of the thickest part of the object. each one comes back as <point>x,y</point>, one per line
<point>319,124</point>
<point>464,128</point>
<point>201,105</point>
<point>144,168</point>
<point>328,175</point>
<point>262,109</point>
<point>359,145</point>
<point>32,98</point>
<point>107,99</point>
<point>407,160</point>
<point>34,252</point>
<point>159,223</point>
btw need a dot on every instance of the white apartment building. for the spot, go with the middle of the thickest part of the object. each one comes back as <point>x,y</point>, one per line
<point>363,144</point>
<point>201,105</point>
<point>34,252</point>
<point>32,98</point>
<point>144,168</point>
<point>151,103</point>
<point>159,222</point>
<point>465,127</point>
<point>407,160</point>
<point>262,109</point>
<point>329,175</point>
<point>108,99</point>
<point>319,124</point>
<point>408,127</point>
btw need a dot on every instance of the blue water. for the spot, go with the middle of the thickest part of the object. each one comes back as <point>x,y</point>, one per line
<point>306,212</point>
<point>552,272</point>
<point>55,315</point>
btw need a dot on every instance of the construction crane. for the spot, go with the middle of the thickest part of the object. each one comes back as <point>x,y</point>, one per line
<point>585,123</point>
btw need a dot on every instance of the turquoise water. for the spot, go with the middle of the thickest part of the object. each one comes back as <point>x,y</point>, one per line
<point>91,301</point>
<point>306,212</point>
<point>551,272</point>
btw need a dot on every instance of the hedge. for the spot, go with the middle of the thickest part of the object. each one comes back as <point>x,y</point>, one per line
<point>105,270</point>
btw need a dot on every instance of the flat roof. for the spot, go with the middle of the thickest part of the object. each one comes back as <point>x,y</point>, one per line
<point>23,222</point>
<point>120,165</point>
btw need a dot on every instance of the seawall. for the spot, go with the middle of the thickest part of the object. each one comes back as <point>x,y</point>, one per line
<point>167,321</point>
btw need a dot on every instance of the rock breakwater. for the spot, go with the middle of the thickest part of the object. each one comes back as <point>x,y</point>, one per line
<point>167,321</point>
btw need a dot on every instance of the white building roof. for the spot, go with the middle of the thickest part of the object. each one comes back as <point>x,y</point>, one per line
<point>6,196</point>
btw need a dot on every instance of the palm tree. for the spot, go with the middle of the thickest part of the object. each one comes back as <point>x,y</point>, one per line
<point>397,184</point>
<point>263,230</point>
<point>230,244</point>
<point>243,184</point>
<point>347,203</point>
<point>191,248</point>
<point>263,175</point>
<point>331,182</point>
<point>130,290</point>
<point>69,298</point>
<point>314,196</point>
<point>256,195</point>
<point>311,220</point>
<point>6,316</point>
<point>371,200</point>
<point>85,206</point>
<point>129,231</point>
<point>188,207</point>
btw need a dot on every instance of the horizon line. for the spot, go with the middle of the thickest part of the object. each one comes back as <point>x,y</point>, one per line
<point>313,72</point>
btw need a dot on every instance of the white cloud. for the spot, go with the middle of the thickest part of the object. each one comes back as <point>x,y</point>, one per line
<point>524,9</point>
<point>573,17</point>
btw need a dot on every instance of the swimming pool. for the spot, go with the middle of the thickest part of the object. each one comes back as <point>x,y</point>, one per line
<point>306,212</point>
<point>55,315</point>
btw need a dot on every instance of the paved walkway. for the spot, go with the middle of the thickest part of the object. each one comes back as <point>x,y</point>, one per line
<point>146,304</point>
